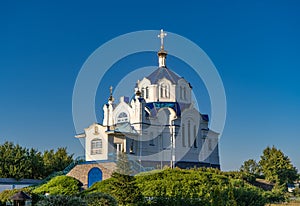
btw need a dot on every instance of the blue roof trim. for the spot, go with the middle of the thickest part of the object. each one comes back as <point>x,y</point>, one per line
<point>155,106</point>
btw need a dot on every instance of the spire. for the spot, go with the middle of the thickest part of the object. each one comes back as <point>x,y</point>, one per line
<point>162,54</point>
<point>111,99</point>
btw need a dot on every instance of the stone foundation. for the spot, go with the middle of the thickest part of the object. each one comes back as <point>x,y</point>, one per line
<point>80,172</point>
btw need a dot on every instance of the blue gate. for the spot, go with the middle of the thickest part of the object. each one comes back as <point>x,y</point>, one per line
<point>95,175</point>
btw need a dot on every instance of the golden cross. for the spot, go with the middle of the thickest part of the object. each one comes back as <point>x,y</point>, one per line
<point>162,35</point>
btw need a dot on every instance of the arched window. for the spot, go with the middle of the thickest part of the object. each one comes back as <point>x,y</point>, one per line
<point>183,135</point>
<point>162,90</point>
<point>143,92</point>
<point>189,133</point>
<point>96,146</point>
<point>123,117</point>
<point>166,91</point>
<point>180,92</point>
<point>184,93</point>
<point>195,135</point>
<point>147,92</point>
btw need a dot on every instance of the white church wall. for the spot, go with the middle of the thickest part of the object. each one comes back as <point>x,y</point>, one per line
<point>137,112</point>
<point>189,131</point>
<point>108,114</point>
<point>213,147</point>
<point>96,132</point>
<point>122,108</point>
<point>183,91</point>
<point>166,91</point>
<point>152,94</point>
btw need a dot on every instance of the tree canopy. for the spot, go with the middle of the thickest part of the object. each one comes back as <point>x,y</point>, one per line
<point>251,167</point>
<point>20,162</point>
<point>123,164</point>
<point>277,167</point>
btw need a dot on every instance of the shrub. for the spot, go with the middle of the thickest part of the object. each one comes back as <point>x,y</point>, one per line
<point>60,185</point>
<point>100,199</point>
<point>61,200</point>
<point>173,201</point>
<point>122,187</point>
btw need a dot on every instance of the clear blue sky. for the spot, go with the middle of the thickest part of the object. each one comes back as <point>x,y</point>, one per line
<point>255,46</point>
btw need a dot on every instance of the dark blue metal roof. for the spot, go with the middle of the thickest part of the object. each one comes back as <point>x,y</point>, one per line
<point>163,72</point>
<point>205,117</point>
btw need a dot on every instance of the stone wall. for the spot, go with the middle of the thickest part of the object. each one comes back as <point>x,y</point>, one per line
<point>80,172</point>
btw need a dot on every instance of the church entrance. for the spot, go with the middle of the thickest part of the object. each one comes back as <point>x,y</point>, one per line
<point>94,175</point>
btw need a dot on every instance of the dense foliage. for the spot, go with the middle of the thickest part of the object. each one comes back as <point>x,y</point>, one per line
<point>94,199</point>
<point>251,167</point>
<point>202,186</point>
<point>185,187</point>
<point>19,162</point>
<point>7,194</point>
<point>120,186</point>
<point>61,200</point>
<point>123,164</point>
<point>100,199</point>
<point>60,185</point>
<point>277,167</point>
<point>209,187</point>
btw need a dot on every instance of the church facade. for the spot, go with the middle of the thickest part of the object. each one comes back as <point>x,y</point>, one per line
<point>158,126</point>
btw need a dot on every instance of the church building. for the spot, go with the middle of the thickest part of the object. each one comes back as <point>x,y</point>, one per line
<point>158,126</point>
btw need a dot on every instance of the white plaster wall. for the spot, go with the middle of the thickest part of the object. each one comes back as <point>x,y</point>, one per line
<point>183,84</point>
<point>122,107</point>
<point>90,135</point>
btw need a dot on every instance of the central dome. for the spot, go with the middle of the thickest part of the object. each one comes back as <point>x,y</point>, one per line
<point>163,72</point>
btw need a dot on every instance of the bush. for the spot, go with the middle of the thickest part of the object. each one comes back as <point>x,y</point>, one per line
<point>189,187</point>
<point>249,196</point>
<point>60,185</point>
<point>173,201</point>
<point>122,187</point>
<point>202,187</point>
<point>100,199</point>
<point>103,187</point>
<point>61,200</point>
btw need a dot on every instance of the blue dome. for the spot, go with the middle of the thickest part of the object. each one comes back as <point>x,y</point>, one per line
<point>163,72</point>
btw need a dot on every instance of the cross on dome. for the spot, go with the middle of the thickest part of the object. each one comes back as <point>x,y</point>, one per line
<point>162,54</point>
<point>110,97</point>
<point>162,35</point>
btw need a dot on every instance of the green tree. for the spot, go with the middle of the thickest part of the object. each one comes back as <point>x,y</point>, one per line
<point>19,162</point>
<point>123,164</point>
<point>36,165</point>
<point>251,167</point>
<point>56,161</point>
<point>277,167</point>
<point>125,190</point>
<point>14,161</point>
